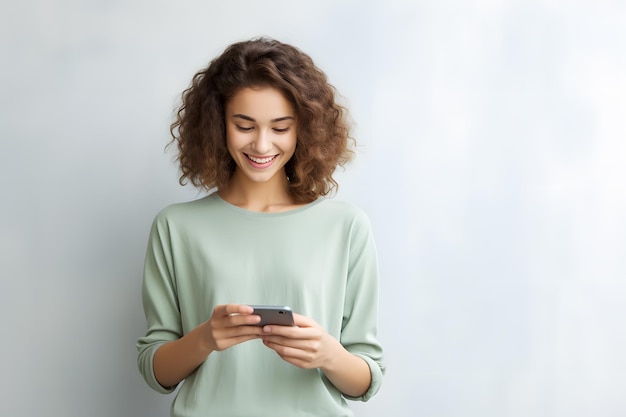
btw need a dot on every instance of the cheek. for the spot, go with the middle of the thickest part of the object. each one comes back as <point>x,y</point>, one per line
<point>233,139</point>
<point>290,144</point>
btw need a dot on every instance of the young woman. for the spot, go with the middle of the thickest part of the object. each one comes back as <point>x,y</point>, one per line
<point>260,128</point>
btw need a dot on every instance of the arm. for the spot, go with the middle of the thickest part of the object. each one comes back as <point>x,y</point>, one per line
<point>167,354</point>
<point>354,362</point>
<point>309,346</point>
<point>229,325</point>
<point>349,373</point>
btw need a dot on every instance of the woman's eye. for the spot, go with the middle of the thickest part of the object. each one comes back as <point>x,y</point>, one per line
<point>243,128</point>
<point>281,130</point>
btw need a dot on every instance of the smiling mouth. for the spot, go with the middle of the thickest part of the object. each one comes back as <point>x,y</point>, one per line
<point>263,160</point>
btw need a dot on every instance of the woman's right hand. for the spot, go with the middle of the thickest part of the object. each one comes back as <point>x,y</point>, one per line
<point>229,325</point>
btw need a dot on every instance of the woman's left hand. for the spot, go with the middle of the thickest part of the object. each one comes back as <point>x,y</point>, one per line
<point>306,345</point>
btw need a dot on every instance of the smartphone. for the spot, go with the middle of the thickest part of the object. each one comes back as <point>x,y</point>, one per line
<point>280,315</point>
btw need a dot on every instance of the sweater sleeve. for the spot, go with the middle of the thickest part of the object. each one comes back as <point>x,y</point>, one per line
<point>160,301</point>
<point>360,319</point>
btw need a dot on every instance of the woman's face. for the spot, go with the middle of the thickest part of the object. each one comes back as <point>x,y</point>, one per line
<point>260,132</point>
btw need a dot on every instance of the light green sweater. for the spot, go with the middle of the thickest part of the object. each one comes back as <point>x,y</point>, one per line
<point>319,259</point>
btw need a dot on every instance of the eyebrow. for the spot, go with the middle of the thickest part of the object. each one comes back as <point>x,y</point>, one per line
<point>250,119</point>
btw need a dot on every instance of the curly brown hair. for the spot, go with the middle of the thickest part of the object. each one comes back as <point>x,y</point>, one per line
<point>323,141</point>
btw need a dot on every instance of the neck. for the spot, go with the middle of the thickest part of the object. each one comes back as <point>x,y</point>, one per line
<point>270,196</point>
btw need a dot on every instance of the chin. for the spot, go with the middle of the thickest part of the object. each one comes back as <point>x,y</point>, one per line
<point>260,179</point>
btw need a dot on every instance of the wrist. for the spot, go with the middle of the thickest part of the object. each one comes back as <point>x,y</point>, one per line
<point>337,354</point>
<point>200,339</point>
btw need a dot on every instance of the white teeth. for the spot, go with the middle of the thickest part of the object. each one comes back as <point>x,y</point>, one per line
<point>261,160</point>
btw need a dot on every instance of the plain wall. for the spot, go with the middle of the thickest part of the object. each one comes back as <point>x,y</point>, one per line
<point>492,162</point>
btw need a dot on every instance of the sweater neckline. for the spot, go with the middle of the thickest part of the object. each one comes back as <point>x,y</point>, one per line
<point>215,196</point>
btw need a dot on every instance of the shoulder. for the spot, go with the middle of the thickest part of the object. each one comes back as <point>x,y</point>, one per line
<point>187,211</point>
<point>345,213</point>
<point>343,209</point>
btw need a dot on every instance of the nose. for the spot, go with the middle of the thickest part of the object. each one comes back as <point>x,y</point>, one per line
<point>262,142</point>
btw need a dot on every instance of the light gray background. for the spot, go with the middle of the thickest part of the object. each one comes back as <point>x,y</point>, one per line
<point>492,162</point>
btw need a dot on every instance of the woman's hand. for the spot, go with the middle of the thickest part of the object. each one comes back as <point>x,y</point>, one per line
<point>307,345</point>
<point>229,325</point>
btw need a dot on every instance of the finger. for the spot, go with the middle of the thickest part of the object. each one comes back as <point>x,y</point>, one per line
<point>279,340</point>
<point>291,332</point>
<point>304,344</point>
<point>285,342</point>
<point>237,331</point>
<point>231,315</point>
<point>244,320</point>
<point>304,321</point>
<point>234,309</point>
<point>225,334</point>
<point>284,331</point>
<point>291,354</point>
